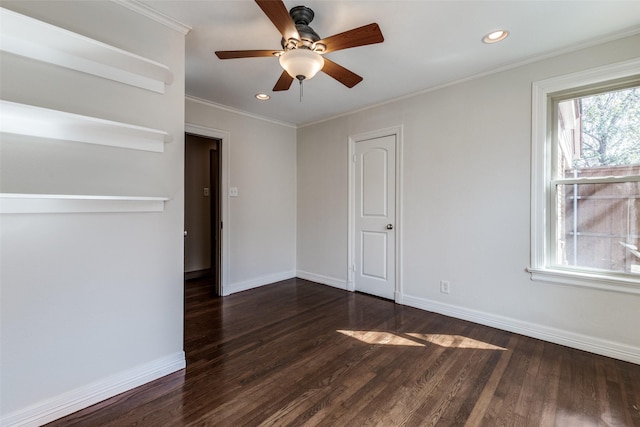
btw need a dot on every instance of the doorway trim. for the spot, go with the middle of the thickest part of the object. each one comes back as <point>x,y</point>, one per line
<point>351,238</point>
<point>225,140</point>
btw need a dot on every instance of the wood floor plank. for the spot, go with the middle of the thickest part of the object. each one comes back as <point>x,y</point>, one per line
<point>296,353</point>
<point>487,396</point>
<point>471,390</point>
<point>630,393</point>
<point>549,381</point>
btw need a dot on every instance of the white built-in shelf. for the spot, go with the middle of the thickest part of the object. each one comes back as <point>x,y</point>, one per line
<point>14,203</point>
<point>31,38</point>
<point>30,120</point>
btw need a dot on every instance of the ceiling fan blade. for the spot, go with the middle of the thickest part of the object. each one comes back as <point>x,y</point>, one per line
<point>277,12</point>
<point>361,36</point>
<point>232,54</point>
<point>284,82</point>
<point>341,74</point>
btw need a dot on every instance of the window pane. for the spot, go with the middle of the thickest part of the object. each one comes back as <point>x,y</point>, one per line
<point>598,226</point>
<point>599,131</point>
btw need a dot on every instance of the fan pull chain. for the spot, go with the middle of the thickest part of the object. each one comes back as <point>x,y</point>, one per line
<point>301,90</point>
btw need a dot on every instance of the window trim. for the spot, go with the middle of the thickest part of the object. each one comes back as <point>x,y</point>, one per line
<point>541,114</point>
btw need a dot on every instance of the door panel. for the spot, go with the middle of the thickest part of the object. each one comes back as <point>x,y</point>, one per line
<point>375,216</point>
<point>374,255</point>
<point>374,174</point>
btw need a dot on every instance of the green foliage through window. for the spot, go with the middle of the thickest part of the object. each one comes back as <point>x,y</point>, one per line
<point>610,129</point>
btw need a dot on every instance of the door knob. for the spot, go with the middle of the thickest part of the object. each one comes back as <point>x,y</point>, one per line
<point>389,227</point>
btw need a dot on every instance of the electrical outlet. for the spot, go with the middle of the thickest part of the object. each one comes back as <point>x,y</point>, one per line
<point>206,192</point>
<point>444,286</point>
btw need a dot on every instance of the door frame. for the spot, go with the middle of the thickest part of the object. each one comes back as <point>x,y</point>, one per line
<point>351,238</point>
<point>215,205</point>
<point>224,146</point>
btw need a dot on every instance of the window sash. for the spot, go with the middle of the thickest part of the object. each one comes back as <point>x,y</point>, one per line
<point>569,226</point>
<point>545,94</point>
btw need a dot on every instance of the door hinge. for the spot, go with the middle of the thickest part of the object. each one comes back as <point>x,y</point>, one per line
<point>355,158</point>
<point>353,267</point>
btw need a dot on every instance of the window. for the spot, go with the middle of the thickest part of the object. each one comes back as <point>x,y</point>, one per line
<point>586,179</point>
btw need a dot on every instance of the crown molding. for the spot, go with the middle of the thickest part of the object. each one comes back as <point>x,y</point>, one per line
<point>237,111</point>
<point>629,32</point>
<point>151,13</point>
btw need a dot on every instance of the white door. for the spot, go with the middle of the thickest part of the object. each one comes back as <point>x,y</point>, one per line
<point>375,200</point>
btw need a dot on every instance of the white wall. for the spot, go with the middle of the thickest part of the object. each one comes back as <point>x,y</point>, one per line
<point>466,189</point>
<point>260,230</point>
<point>322,202</point>
<point>91,303</point>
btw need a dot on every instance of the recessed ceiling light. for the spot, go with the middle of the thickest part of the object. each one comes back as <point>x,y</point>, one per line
<point>262,96</point>
<point>495,36</point>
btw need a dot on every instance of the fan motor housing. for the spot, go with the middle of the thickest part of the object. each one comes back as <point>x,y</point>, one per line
<point>302,16</point>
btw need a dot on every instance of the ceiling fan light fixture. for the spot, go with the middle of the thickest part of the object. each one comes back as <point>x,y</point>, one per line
<point>301,63</point>
<point>319,47</point>
<point>290,44</point>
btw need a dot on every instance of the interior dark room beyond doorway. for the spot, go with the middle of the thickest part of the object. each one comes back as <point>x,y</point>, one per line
<point>202,223</point>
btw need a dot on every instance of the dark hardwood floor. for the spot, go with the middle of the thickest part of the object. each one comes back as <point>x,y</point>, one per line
<point>298,353</point>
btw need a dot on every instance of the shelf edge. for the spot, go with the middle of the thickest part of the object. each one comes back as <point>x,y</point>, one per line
<point>23,119</point>
<point>21,203</point>
<point>38,40</point>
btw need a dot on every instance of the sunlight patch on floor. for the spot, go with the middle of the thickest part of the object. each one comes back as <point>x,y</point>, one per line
<point>455,341</point>
<point>418,340</point>
<point>377,337</point>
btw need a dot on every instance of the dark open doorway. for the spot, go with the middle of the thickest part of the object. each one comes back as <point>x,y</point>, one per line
<point>202,248</point>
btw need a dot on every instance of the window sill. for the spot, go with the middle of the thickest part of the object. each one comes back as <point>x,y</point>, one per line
<point>597,281</point>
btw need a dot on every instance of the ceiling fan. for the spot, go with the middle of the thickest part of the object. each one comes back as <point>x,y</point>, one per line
<point>302,48</point>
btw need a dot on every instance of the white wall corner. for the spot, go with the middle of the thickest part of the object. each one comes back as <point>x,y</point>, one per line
<point>67,403</point>
<point>233,288</point>
<point>324,280</point>
<point>558,336</point>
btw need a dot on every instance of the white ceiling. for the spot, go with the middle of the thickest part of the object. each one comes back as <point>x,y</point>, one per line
<point>427,44</point>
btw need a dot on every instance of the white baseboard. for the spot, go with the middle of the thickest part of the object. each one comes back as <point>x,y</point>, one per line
<point>558,336</point>
<point>257,282</point>
<point>324,280</point>
<point>67,403</point>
